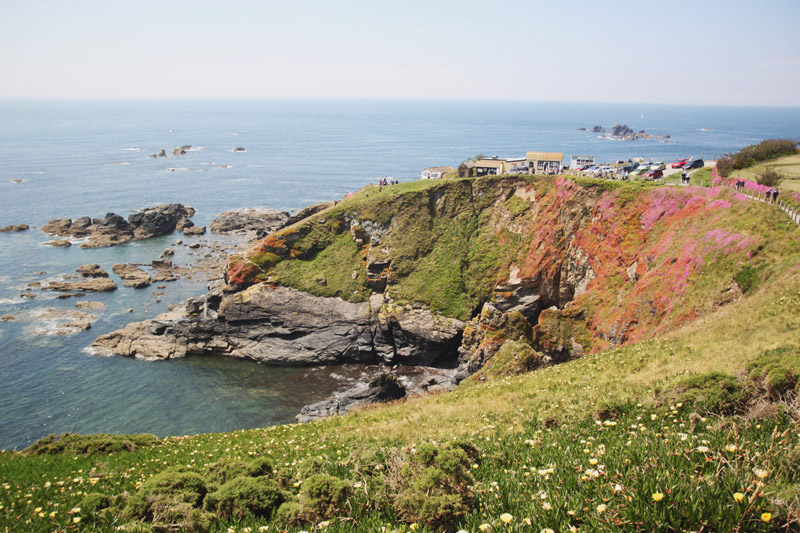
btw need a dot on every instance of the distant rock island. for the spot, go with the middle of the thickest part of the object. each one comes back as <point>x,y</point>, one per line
<point>623,132</point>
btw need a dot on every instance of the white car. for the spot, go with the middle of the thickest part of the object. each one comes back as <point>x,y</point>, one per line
<point>604,169</point>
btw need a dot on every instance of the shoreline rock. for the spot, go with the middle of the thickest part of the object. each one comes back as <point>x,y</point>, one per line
<point>252,222</point>
<point>285,327</point>
<point>382,388</point>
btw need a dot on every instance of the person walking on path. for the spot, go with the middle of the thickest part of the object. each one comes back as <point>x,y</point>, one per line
<point>775,195</point>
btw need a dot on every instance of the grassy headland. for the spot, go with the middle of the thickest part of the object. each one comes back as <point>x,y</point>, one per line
<point>688,424</point>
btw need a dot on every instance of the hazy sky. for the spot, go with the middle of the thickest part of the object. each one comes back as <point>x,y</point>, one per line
<point>699,51</point>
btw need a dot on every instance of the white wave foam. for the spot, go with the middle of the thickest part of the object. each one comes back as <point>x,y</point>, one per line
<point>102,351</point>
<point>256,166</point>
<point>123,163</point>
<point>130,149</point>
<point>196,148</point>
<point>177,169</point>
<point>38,172</point>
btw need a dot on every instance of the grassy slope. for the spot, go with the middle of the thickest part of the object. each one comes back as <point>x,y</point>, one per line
<point>550,475</point>
<point>788,165</point>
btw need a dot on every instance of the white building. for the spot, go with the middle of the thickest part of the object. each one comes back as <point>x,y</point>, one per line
<point>434,173</point>
<point>579,161</point>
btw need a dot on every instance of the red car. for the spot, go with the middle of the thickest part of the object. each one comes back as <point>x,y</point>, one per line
<point>680,163</point>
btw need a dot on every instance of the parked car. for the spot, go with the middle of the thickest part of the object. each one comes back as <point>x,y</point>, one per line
<point>680,163</point>
<point>658,165</point>
<point>630,167</point>
<point>697,163</point>
<point>604,168</point>
<point>655,174</point>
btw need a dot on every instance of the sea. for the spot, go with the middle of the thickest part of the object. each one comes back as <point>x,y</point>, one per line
<point>73,158</point>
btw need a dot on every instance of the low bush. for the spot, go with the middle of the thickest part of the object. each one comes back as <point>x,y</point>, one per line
<point>323,496</point>
<point>163,491</point>
<point>258,496</point>
<point>711,392</point>
<point>769,177</point>
<point>93,503</point>
<point>100,443</point>
<point>763,151</point>
<point>777,370</point>
<point>433,485</point>
<point>725,166</point>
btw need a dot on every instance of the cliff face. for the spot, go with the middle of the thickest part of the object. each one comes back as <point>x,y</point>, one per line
<point>418,272</point>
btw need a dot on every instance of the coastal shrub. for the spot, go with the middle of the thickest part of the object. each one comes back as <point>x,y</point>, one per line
<point>323,496</point>
<point>769,177</point>
<point>100,443</point>
<point>93,503</point>
<point>261,467</point>
<point>258,496</point>
<point>171,515</point>
<point>289,514</point>
<point>712,392</point>
<point>748,278</point>
<point>777,370</point>
<point>763,151</point>
<point>310,466</point>
<point>163,491</point>
<point>433,485</point>
<point>725,166</point>
<point>514,357</point>
<point>221,472</point>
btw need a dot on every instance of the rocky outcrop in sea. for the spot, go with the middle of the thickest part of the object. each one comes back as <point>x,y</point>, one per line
<point>114,229</point>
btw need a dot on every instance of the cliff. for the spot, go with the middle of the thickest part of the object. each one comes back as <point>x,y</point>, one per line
<point>424,273</point>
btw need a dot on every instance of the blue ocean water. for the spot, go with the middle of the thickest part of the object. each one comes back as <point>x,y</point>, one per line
<point>77,158</point>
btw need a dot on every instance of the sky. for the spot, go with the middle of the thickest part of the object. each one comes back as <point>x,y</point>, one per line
<point>640,51</point>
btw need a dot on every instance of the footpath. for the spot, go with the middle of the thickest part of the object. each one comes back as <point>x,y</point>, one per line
<point>759,193</point>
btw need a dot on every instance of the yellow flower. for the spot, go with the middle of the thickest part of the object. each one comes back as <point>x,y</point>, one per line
<point>739,497</point>
<point>37,510</point>
<point>601,508</point>
<point>506,518</point>
<point>592,461</point>
<point>731,447</point>
<point>547,530</point>
<point>414,526</point>
<point>572,529</point>
<point>527,521</point>
<point>484,527</point>
<point>657,496</point>
<point>761,473</point>
<point>76,520</point>
<point>766,517</point>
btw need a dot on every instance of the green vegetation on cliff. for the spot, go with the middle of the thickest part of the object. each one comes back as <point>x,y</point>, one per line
<point>690,423</point>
